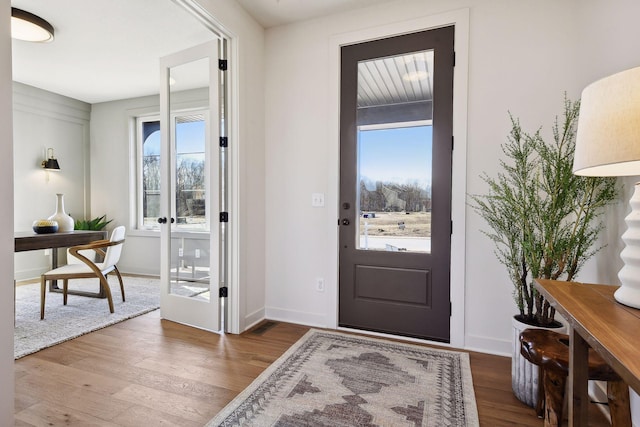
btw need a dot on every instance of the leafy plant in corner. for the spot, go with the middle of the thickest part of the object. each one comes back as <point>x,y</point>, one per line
<point>97,223</point>
<point>543,219</point>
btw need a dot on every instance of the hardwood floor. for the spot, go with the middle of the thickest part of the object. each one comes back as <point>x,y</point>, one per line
<point>150,372</point>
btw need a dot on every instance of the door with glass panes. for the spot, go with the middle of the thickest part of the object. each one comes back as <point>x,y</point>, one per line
<point>190,187</point>
<point>395,184</point>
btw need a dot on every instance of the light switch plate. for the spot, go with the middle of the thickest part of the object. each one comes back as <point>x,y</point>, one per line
<point>317,200</point>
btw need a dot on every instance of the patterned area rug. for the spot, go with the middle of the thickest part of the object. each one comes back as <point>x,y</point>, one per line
<point>81,315</point>
<point>335,379</point>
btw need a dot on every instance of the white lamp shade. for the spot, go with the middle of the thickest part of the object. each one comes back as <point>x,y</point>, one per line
<point>608,136</point>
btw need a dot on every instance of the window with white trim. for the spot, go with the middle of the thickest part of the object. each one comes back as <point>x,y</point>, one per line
<point>188,171</point>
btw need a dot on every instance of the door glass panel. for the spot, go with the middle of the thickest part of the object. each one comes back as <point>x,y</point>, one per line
<point>190,173</point>
<point>394,153</point>
<point>190,240</point>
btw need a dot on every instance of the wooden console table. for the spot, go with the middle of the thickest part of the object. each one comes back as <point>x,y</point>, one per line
<point>29,241</point>
<point>596,320</point>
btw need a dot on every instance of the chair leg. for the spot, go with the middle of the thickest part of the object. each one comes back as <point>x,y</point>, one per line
<point>618,396</point>
<point>107,290</point>
<point>120,280</point>
<point>65,288</point>
<point>43,285</point>
<point>554,388</point>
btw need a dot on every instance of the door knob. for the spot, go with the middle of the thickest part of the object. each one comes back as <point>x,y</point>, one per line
<point>345,221</point>
<point>162,220</point>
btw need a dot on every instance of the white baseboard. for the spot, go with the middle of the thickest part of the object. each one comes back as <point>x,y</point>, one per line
<point>291,316</point>
<point>253,319</point>
<point>488,345</point>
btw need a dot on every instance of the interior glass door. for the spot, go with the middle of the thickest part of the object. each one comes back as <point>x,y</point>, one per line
<point>190,187</point>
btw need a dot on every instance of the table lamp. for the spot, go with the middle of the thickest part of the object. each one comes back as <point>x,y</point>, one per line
<point>608,144</point>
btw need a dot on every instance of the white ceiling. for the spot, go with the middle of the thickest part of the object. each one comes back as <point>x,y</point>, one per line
<point>103,50</point>
<point>270,13</point>
<point>108,50</point>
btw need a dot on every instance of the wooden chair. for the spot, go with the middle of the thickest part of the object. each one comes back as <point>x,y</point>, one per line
<point>550,352</point>
<point>87,268</point>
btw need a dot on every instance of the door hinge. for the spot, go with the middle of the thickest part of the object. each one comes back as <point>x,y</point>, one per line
<point>224,141</point>
<point>452,143</point>
<point>451,229</point>
<point>224,216</point>
<point>450,309</point>
<point>454,59</point>
<point>222,64</point>
<point>223,292</point>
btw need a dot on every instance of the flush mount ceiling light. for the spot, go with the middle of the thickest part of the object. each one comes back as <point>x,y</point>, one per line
<point>29,27</point>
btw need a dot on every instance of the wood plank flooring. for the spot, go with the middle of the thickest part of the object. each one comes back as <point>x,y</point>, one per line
<point>151,372</point>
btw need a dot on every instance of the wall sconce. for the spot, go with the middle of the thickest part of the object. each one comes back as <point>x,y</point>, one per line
<point>29,27</point>
<point>51,163</point>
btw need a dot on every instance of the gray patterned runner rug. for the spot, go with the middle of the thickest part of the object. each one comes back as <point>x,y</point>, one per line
<point>335,379</point>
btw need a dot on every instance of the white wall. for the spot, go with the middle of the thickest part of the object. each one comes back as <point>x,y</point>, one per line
<point>112,151</point>
<point>44,120</point>
<point>523,57</point>
<point>6,213</point>
<point>607,44</point>
<point>522,61</point>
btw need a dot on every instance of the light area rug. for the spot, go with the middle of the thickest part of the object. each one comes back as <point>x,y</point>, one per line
<point>335,379</point>
<point>81,315</point>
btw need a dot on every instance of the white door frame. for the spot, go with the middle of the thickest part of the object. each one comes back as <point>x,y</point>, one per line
<point>233,277</point>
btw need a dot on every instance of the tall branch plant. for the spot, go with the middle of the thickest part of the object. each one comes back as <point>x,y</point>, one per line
<point>543,219</point>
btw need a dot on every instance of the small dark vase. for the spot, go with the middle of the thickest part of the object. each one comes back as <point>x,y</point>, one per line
<point>45,226</point>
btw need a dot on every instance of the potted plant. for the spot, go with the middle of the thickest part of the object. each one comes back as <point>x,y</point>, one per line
<point>544,221</point>
<point>97,223</point>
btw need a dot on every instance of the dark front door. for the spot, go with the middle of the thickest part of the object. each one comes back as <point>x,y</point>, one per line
<point>395,184</point>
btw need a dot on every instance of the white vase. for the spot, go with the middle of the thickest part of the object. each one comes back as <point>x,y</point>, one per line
<point>524,374</point>
<point>65,222</point>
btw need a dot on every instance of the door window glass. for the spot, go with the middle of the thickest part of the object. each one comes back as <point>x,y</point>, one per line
<point>394,137</point>
<point>190,173</point>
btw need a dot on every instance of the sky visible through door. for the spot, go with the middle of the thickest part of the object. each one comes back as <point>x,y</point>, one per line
<point>394,178</point>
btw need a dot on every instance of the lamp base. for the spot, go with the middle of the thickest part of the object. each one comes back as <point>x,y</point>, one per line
<point>629,275</point>
<point>628,296</point>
